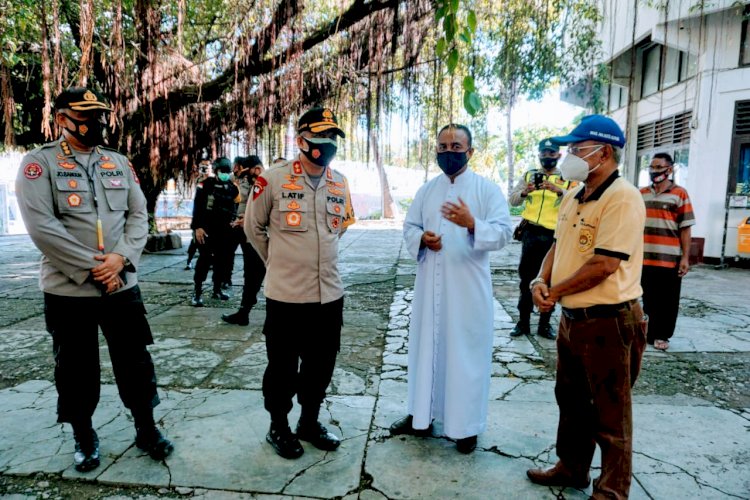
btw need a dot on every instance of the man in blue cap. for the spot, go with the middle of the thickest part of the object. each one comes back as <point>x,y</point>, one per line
<point>594,269</point>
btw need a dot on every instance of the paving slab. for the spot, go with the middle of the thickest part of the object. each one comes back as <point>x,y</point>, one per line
<point>210,377</point>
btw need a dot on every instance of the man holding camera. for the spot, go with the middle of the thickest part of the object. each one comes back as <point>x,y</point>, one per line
<point>540,190</point>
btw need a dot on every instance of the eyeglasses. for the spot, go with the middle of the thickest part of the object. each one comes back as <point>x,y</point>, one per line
<point>577,149</point>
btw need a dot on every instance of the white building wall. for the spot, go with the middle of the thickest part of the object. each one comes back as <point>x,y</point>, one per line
<point>711,95</point>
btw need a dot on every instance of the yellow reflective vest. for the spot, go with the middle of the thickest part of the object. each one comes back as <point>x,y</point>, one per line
<point>541,206</point>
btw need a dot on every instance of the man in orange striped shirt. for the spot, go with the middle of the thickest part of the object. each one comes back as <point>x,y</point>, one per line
<point>669,216</point>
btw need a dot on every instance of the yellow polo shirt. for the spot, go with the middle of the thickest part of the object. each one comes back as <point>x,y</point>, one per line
<point>609,223</point>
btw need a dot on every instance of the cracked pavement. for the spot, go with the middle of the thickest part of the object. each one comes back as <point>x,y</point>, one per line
<point>209,373</point>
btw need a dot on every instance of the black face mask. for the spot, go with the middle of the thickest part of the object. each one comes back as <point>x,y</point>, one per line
<point>657,177</point>
<point>320,151</point>
<point>451,162</point>
<point>89,132</point>
<point>548,163</point>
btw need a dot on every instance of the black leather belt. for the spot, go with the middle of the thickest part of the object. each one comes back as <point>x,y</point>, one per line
<point>599,311</point>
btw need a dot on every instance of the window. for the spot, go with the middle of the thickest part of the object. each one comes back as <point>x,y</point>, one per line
<point>618,96</point>
<point>651,66</point>
<point>745,40</point>
<point>663,67</point>
<point>669,135</point>
<point>739,170</point>
<point>671,67</point>
<point>680,156</point>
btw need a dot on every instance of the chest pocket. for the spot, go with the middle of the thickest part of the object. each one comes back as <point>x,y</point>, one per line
<point>116,192</point>
<point>335,213</point>
<point>294,216</point>
<point>73,196</point>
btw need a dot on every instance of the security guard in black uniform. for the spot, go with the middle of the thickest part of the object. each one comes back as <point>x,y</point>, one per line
<point>85,211</point>
<point>214,209</point>
<point>541,191</point>
<point>247,169</point>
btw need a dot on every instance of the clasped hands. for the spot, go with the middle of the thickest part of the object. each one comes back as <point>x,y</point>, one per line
<point>543,298</point>
<point>107,274</point>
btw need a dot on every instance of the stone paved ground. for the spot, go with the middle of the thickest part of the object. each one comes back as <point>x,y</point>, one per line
<point>691,414</point>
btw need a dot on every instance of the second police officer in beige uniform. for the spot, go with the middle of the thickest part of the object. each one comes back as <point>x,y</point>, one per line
<point>86,213</point>
<point>298,212</point>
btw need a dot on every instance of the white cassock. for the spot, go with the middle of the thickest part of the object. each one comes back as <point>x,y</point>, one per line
<point>450,336</point>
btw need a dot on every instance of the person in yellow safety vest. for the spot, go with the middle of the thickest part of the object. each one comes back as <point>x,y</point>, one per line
<point>541,191</point>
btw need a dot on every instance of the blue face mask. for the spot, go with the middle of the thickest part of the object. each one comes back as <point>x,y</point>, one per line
<point>224,176</point>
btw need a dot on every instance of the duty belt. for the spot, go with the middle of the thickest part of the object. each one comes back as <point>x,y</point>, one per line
<point>598,311</point>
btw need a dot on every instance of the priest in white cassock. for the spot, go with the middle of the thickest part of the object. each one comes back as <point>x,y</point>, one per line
<point>455,220</point>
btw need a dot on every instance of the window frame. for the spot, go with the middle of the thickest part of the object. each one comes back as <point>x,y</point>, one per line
<point>745,38</point>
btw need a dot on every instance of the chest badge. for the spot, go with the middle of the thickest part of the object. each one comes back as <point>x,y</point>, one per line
<point>108,166</point>
<point>335,191</point>
<point>293,219</point>
<point>67,165</point>
<point>72,184</point>
<point>293,206</point>
<point>74,200</point>
<point>585,240</point>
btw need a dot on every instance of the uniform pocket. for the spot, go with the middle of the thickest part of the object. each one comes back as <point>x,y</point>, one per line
<point>116,192</point>
<point>73,196</point>
<point>294,216</point>
<point>334,216</point>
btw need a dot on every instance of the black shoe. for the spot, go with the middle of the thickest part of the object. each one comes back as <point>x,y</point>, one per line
<point>317,435</point>
<point>545,330</point>
<point>239,318</point>
<point>284,442</point>
<point>188,266</point>
<point>196,301</point>
<point>520,329</point>
<point>219,295</point>
<point>466,445</point>
<point>86,456</point>
<point>404,426</point>
<point>152,442</point>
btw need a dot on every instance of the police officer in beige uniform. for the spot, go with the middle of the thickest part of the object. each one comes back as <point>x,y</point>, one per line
<point>298,212</point>
<point>85,211</point>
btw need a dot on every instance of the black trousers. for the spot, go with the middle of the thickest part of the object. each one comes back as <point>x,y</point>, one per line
<point>74,325</point>
<point>254,269</point>
<point>661,300</point>
<point>536,242</point>
<point>302,341</point>
<point>215,249</point>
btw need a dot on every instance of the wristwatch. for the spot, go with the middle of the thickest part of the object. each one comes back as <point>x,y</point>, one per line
<point>536,281</point>
<point>127,265</point>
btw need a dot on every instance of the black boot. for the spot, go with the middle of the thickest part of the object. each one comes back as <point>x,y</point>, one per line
<point>284,443</point>
<point>521,328</point>
<point>197,301</point>
<point>219,294</point>
<point>311,430</point>
<point>545,329</point>
<point>241,317</point>
<point>86,456</point>
<point>150,440</point>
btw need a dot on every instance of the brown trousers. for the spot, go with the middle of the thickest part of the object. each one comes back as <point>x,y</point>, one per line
<point>598,362</point>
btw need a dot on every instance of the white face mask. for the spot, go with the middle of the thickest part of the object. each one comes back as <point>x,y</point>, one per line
<point>574,168</point>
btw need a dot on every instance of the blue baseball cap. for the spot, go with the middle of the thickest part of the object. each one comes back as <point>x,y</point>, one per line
<point>597,128</point>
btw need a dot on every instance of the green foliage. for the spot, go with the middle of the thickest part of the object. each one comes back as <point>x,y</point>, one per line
<point>458,29</point>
